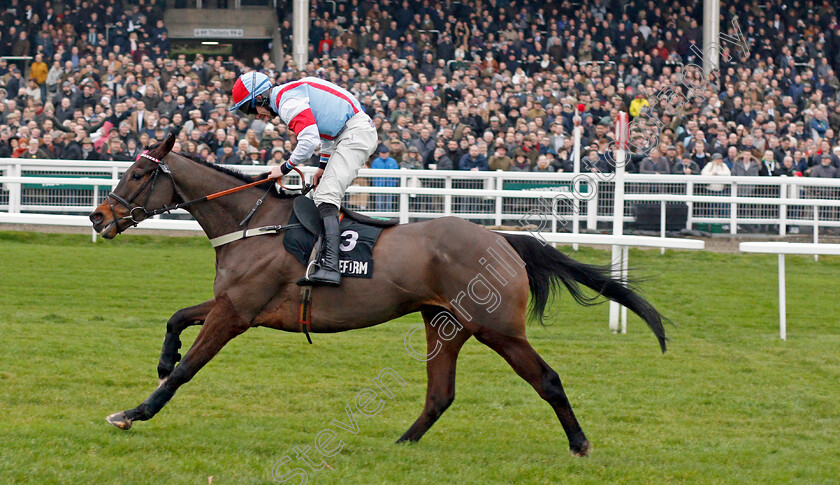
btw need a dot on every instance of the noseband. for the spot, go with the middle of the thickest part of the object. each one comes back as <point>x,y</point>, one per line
<point>139,213</point>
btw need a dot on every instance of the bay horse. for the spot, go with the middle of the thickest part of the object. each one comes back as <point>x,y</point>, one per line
<point>446,267</point>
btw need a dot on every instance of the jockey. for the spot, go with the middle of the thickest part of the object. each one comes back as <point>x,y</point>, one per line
<point>319,113</point>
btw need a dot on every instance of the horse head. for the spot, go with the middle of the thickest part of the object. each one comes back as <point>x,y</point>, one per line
<point>142,188</point>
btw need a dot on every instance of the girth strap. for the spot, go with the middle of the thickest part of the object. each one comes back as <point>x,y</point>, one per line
<point>259,231</point>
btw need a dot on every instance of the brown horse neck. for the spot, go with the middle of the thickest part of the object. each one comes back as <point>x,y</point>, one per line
<point>222,215</point>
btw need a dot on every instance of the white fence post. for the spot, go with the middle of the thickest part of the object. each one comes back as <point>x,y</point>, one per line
<point>618,215</point>
<point>94,203</point>
<point>625,258</point>
<point>782,299</point>
<point>617,266</point>
<point>733,210</point>
<point>816,229</point>
<point>575,217</point>
<point>404,198</point>
<point>783,194</point>
<point>689,190</point>
<point>500,185</point>
<point>14,189</point>
<point>662,224</point>
<point>576,183</point>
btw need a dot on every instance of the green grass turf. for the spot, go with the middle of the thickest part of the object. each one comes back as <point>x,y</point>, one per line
<point>81,326</point>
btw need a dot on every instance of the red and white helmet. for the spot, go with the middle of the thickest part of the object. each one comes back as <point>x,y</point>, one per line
<point>247,88</point>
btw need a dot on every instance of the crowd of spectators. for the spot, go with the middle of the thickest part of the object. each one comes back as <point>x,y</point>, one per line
<point>469,85</point>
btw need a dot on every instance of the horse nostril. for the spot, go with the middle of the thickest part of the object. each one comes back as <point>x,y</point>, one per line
<point>97,217</point>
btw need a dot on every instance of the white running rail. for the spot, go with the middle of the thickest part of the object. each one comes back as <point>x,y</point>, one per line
<point>783,248</point>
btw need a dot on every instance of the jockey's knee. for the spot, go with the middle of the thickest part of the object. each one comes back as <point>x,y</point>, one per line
<point>331,198</point>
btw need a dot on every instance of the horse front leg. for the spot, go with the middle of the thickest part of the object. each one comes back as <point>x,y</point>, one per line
<point>183,318</point>
<point>222,324</point>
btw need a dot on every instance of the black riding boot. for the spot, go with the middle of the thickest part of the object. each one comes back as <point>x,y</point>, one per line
<point>327,273</point>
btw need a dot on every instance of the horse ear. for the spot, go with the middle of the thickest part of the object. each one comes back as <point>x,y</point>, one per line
<point>164,148</point>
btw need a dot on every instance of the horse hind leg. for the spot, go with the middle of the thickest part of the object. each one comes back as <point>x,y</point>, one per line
<point>183,318</point>
<point>440,368</point>
<point>517,351</point>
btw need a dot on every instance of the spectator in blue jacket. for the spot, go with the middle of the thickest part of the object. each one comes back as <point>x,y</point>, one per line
<point>385,202</point>
<point>819,125</point>
<point>473,161</point>
<point>800,162</point>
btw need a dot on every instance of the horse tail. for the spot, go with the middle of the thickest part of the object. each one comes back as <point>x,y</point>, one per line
<point>548,268</point>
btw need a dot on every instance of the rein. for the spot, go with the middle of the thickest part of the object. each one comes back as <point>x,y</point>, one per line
<point>144,213</point>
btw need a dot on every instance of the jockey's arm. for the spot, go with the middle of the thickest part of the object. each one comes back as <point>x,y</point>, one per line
<point>298,116</point>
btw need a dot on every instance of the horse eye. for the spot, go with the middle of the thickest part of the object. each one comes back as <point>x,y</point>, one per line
<point>136,176</point>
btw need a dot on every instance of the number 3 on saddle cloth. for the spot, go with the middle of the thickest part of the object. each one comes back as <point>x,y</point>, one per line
<point>358,236</point>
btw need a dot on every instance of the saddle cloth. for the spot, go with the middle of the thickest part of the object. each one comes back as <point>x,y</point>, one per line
<point>357,238</point>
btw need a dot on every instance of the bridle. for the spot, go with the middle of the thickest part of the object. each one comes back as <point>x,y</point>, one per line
<point>139,213</point>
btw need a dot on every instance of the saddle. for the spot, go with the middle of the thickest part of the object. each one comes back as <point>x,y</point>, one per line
<point>358,233</point>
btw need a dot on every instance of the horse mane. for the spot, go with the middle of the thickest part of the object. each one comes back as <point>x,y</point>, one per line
<point>228,171</point>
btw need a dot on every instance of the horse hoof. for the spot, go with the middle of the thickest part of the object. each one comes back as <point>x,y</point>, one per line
<point>583,451</point>
<point>161,381</point>
<point>119,420</point>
